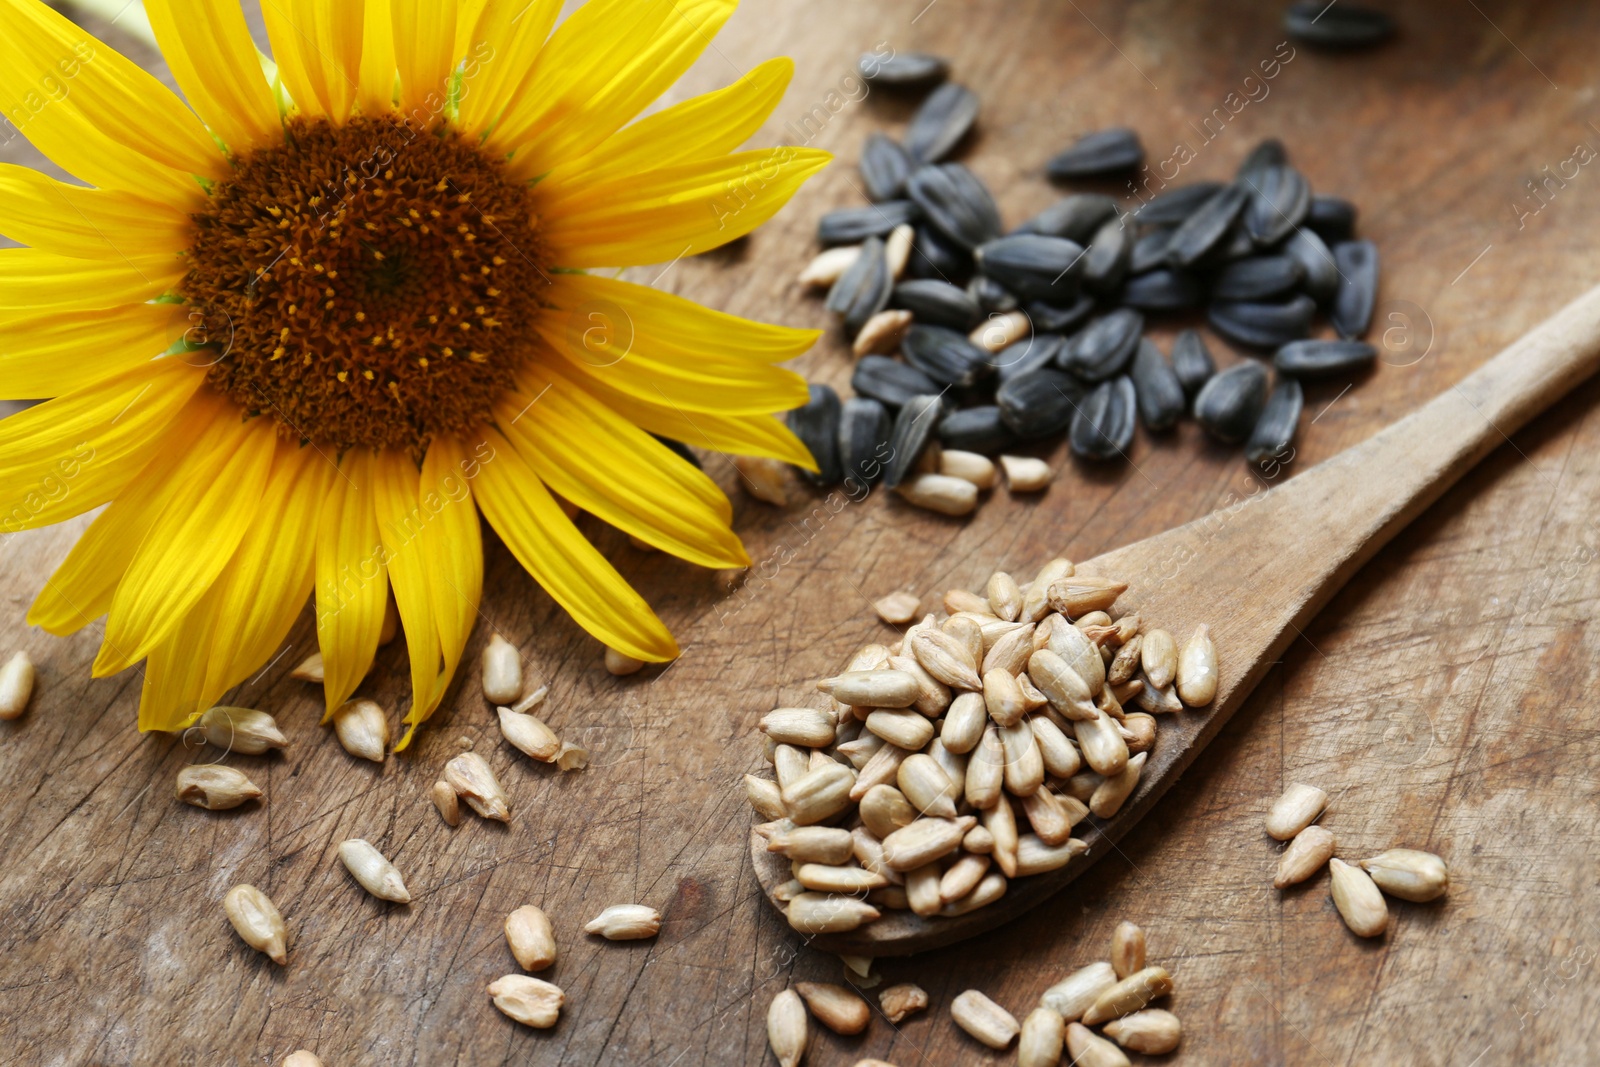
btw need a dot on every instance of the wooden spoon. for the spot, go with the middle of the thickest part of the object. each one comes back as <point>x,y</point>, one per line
<point>1258,571</point>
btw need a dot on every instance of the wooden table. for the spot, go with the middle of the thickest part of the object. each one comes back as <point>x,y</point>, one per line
<point>1445,699</point>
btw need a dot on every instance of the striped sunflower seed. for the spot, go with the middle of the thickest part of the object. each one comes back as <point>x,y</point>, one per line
<point>1340,27</point>
<point>1267,153</point>
<point>1192,361</point>
<point>1332,218</point>
<point>1105,348</point>
<point>1205,227</point>
<point>956,204</point>
<point>937,303</point>
<point>1077,217</point>
<point>816,423</point>
<point>1262,324</point>
<point>863,447</point>
<point>373,871</point>
<point>529,1001</point>
<point>1163,290</point>
<point>1039,403</point>
<point>1034,266</point>
<point>1149,251</point>
<point>214,787</point>
<point>1097,154</point>
<point>902,70</point>
<point>1274,430</point>
<point>885,166</point>
<point>914,432</point>
<point>531,937</point>
<point>889,381</point>
<point>1175,205</point>
<point>863,290</point>
<point>854,225</point>
<point>1279,200</point>
<point>1315,358</point>
<point>1156,388</point>
<point>1107,258</point>
<point>985,1020</point>
<point>944,355</point>
<point>940,124</point>
<point>1230,403</point>
<point>1319,272</point>
<point>1257,278</point>
<point>933,255</point>
<point>1103,426</point>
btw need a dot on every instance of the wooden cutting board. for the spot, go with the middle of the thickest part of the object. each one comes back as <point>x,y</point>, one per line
<point>1444,699</point>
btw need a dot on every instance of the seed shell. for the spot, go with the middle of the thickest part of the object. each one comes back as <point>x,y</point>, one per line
<point>1229,405</point>
<point>1191,361</point>
<point>885,166</point>
<point>914,429</point>
<point>1039,403</point>
<point>1105,347</point>
<point>1104,152</point>
<point>903,69</point>
<point>944,118</point>
<point>1279,200</point>
<point>1149,251</point>
<point>863,290</point>
<point>1163,290</point>
<point>1266,154</point>
<point>1319,272</point>
<point>1054,318</point>
<point>1157,388</point>
<point>816,423</point>
<point>1257,278</point>
<point>1339,26</point>
<point>937,303</point>
<point>853,225</point>
<point>1171,208</point>
<point>1204,229</point>
<point>1106,260</point>
<point>944,355</point>
<point>956,203</point>
<point>1076,217</point>
<point>1358,287</point>
<point>1317,358</point>
<point>1274,430</point>
<point>863,440</point>
<point>1103,426</point>
<point>979,429</point>
<point>1262,324</point>
<point>889,381</point>
<point>1034,266</point>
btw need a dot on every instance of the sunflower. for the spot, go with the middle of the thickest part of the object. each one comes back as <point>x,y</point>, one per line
<point>300,336</point>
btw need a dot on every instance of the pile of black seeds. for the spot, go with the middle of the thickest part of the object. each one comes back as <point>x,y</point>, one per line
<point>1259,258</point>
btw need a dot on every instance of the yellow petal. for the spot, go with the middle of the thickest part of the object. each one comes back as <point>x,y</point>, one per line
<point>72,454</point>
<point>397,499</point>
<point>208,48</point>
<point>601,68</point>
<point>352,578</point>
<point>501,52</point>
<point>549,546</point>
<point>70,220</point>
<point>452,552</point>
<point>317,46</point>
<point>94,113</point>
<point>712,124</point>
<point>55,354</point>
<point>34,280</point>
<point>81,589</point>
<point>376,95</point>
<point>264,587</point>
<point>212,499</point>
<point>680,210</point>
<point>175,687</point>
<point>607,466</point>
<point>424,47</point>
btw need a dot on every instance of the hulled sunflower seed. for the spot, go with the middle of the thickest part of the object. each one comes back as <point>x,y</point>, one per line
<point>1061,758</point>
<point>257,921</point>
<point>1010,652</point>
<point>1062,685</point>
<point>1159,656</point>
<point>1311,359</point>
<point>469,775</point>
<point>837,1008</point>
<point>243,730</point>
<point>214,787</point>
<point>529,734</point>
<point>1409,874</point>
<point>985,1020</point>
<point>1126,661</point>
<point>1097,154</point>
<point>863,290</point>
<point>1076,217</point>
<point>1101,744</point>
<point>1358,899</point>
<point>1103,426</point>
<point>1075,994</point>
<point>813,844</point>
<point>927,787</point>
<point>765,479</point>
<point>1274,430</point>
<point>790,764</point>
<point>1026,474</point>
<point>1262,324</point>
<point>900,1001</point>
<point>885,166</point>
<point>1171,208</point>
<point>1191,361</point>
<point>956,204</point>
<point>444,798</point>
<point>884,809</point>
<point>502,671</point>
<point>938,303</point>
<point>816,423</point>
<point>1052,817</point>
<point>940,124</point>
<point>1089,1049</point>
<point>1257,278</point>
<point>531,937</point>
<point>1295,810</point>
<point>302,1058</point>
<point>825,913</point>
<point>979,841</point>
<point>924,841</point>
<point>821,793</point>
<point>625,922</point>
<point>363,729</point>
<point>1307,854</point>
<point>1279,200</point>
<point>1127,949</point>
<point>1229,405</point>
<point>963,723</point>
<point>946,659</point>
<point>529,1001</point>
<point>968,466</point>
<point>1024,770</point>
<point>373,871</point>
<point>806,727</point>
<point>944,355</point>
<point>1105,347</point>
<point>937,492</point>
<point>1034,266</point>
<point>311,669</point>
<point>962,877</point>
<point>1002,696</point>
<point>1152,1031</point>
<point>1040,1041</point>
<point>829,266</point>
<point>1339,27</point>
<point>1206,226</point>
<point>1197,668</point>
<point>1139,731</point>
<point>986,770</point>
<point>853,225</point>
<point>935,694</point>
<point>1001,822</point>
<point>1000,332</point>
<point>881,334</point>
<point>1074,597</point>
<point>896,608</point>
<point>1111,794</point>
<point>1319,272</point>
<point>16,686</point>
<point>825,878</point>
<point>897,251</point>
<point>1156,388</point>
<point>1129,995</point>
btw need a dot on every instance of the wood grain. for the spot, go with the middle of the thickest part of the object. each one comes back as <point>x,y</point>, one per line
<point>1443,698</point>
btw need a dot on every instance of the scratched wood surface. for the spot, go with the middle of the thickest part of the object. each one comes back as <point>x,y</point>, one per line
<point>1444,699</point>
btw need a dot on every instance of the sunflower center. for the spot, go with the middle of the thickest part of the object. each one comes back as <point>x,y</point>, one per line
<point>367,283</point>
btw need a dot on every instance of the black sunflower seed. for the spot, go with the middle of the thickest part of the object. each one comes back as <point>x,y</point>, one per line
<point>863,290</point>
<point>885,166</point>
<point>946,356</point>
<point>1103,425</point>
<point>1230,403</point>
<point>1156,385</point>
<point>1191,361</point>
<point>1104,347</point>
<point>991,295</point>
<point>1333,218</point>
<point>938,303</point>
<point>1149,251</point>
<point>1105,262</point>
<point>850,225</point>
<point>978,429</point>
<point>1029,354</point>
<point>1097,154</point>
<point>1263,325</point>
<point>956,203</point>
<point>1033,266</point>
<point>680,449</point>
<point>1052,318</point>
<point>863,439</point>
<point>890,381</point>
<point>914,428</point>
<point>1039,403</point>
<point>935,256</point>
<point>941,122</point>
<point>1238,244</point>
<point>1269,153</point>
<point>1274,429</point>
<point>904,69</point>
<point>1358,287</point>
<point>1074,217</point>
<point>1279,199</point>
<point>1175,205</point>
<point>1324,25</point>
<point>1163,290</point>
<point>1320,274</point>
<point>1206,227</point>
<point>1256,278</point>
<point>1310,359</point>
<point>816,423</point>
